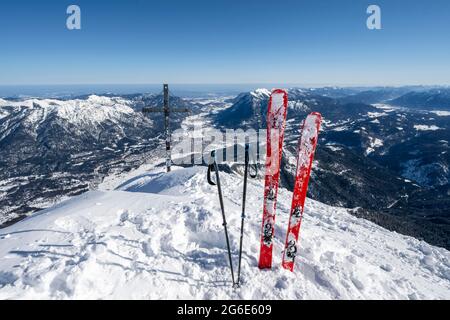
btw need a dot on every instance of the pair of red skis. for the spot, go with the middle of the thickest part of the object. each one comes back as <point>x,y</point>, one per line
<point>276,123</point>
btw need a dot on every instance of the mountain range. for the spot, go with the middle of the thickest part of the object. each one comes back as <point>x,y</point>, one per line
<point>386,161</point>
<point>51,149</point>
<point>390,164</point>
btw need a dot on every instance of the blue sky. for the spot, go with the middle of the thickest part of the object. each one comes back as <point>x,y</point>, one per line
<point>294,42</point>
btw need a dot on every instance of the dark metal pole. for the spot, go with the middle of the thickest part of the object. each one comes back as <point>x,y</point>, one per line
<point>224,221</point>
<point>166,110</point>
<point>167,126</point>
<point>238,283</point>
<point>215,167</point>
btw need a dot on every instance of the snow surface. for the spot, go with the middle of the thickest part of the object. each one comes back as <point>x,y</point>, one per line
<point>298,106</point>
<point>94,109</point>
<point>160,236</point>
<point>423,173</point>
<point>385,107</point>
<point>422,127</point>
<point>442,113</point>
<point>261,93</point>
<point>374,143</point>
<point>376,114</point>
<point>333,147</point>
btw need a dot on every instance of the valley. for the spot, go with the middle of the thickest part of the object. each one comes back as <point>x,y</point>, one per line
<point>387,163</point>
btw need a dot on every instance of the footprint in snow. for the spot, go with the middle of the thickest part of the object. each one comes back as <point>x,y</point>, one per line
<point>426,250</point>
<point>328,256</point>
<point>413,296</point>
<point>351,259</point>
<point>282,283</point>
<point>358,283</point>
<point>60,286</point>
<point>7,278</point>
<point>147,249</point>
<point>386,267</point>
<point>123,216</point>
<point>428,263</point>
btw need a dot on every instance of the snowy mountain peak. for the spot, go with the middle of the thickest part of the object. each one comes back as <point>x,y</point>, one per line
<point>261,93</point>
<point>160,236</point>
<point>92,100</point>
<point>94,109</point>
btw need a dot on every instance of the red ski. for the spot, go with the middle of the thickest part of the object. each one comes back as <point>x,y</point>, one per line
<point>306,149</point>
<point>276,123</point>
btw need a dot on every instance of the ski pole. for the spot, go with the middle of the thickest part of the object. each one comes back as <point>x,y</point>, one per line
<point>246,165</point>
<point>214,167</point>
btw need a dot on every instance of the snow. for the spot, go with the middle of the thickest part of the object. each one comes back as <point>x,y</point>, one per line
<point>3,112</point>
<point>160,236</point>
<point>333,147</point>
<point>442,113</point>
<point>376,114</point>
<point>297,105</point>
<point>423,173</point>
<point>90,113</point>
<point>421,127</point>
<point>374,143</point>
<point>4,103</point>
<point>95,109</point>
<point>385,107</point>
<point>261,93</point>
<point>101,100</point>
<point>343,128</point>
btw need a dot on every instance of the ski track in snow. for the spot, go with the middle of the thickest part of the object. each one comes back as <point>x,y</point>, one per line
<point>160,236</point>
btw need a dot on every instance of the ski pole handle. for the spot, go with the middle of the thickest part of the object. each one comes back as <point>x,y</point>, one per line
<point>247,161</point>
<point>255,169</point>
<point>211,167</point>
<point>208,175</point>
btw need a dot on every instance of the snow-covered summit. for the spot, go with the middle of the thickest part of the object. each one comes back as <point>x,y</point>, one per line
<point>261,93</point>
<point>160,236</point>
<point>79,116</point>
<point>93,109</point>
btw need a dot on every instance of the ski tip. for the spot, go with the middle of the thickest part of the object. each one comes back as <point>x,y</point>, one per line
<point>279,97</point>
<point>316,117</point>
<point>316,114</point>
<point>278,91</point>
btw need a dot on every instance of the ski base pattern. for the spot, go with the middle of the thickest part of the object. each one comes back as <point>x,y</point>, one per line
<point>276,123</point>
<point>306,149</point>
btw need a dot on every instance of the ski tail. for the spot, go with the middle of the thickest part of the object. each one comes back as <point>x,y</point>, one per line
<point>306,150</point>
<point>276,123</point>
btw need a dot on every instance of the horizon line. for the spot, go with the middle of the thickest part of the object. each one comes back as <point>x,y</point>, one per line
<point>228,84</point>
